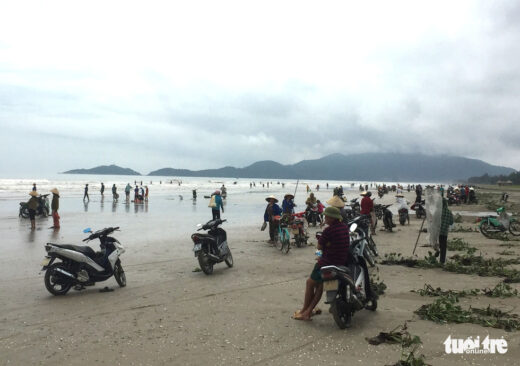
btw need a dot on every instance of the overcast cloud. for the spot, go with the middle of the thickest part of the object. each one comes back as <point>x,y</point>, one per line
<point>204,84</point>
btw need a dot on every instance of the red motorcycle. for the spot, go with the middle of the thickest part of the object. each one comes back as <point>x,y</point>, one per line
<point>298,229</point>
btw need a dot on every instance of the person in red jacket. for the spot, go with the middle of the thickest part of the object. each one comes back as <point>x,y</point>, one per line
<point>367,208</point>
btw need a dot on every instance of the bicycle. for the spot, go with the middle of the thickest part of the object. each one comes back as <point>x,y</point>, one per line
<point>282,236</point>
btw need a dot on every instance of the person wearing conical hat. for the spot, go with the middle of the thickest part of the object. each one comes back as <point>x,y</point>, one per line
<point>271,211</point>
<point>55,205</point>
<point>337,202</point>
<point>32,205</point>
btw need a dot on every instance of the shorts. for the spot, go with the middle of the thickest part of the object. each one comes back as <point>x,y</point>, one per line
<point>316,274</point>
<point>32,214</point>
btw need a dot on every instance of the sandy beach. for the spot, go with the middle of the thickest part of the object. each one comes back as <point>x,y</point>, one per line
<point>170,315</point>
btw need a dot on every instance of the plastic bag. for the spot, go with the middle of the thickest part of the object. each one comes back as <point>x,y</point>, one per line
<point>212,202</point>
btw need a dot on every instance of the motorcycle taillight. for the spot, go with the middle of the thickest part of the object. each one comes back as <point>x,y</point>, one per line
<point>195,238</point>
<point>328,275</point>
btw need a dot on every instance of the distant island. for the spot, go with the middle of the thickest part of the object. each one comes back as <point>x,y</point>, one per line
<point>390,167</point>
<point>104,170</point>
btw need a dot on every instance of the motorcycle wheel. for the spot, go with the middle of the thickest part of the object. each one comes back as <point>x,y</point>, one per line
<point>298,240</point>
<point>314,220</point>
<point>368,257</point>
<point>25,213</point>
<point>229,259</point>
<point>286,245</point>
<point>119,274</point>
<point>484,228</point>
<point>341,313</point>
<point>388,225</point>
<point>402,220</point>
<point>372,305</point>
<point>372,246</point>
<point>205,264</point>
<point>514,228</point>
<point>55,283</point>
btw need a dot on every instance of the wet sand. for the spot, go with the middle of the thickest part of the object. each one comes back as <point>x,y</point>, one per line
<point>170,315</point>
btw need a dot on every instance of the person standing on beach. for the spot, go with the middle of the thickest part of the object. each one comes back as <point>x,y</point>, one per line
<point>102,189</point>
<point>34,187</point>
<point>146,193</point>
<point>32,205</point>
<point>55,205</point>
<point>114,192</point>
<point>86,193</point>
<point>288,204</point>
<point>216,204</point>
<point>446,221</point>
<point>128,188</point>
<point>367,207</point>
<point>271,211</point>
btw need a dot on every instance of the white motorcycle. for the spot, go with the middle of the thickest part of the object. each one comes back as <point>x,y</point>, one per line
<point>81,266</point>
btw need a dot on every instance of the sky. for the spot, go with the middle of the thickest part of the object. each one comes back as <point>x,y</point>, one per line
<point>207,84</point>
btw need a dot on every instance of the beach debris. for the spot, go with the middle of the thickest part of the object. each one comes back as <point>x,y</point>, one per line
<point>197,269</point>
<point>458,244</point>
<point>466,263</point>
<point>409,345</point>
<point>507,252</point>
<point>464,229</point>
<point>106,289</point>
<point>501,290</point>
<point>457,218</point>
<point>446,310</point>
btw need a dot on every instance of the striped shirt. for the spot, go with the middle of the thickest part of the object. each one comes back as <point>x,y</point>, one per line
<point>334,244</point>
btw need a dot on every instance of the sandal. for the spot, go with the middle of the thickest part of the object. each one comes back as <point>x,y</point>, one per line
<point>316,311</point>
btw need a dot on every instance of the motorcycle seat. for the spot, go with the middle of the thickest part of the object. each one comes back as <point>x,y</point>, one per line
<point>344,269</point>
<point>206,236</point>
<point>86,250</point>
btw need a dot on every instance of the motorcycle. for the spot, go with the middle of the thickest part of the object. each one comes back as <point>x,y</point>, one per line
<point>403,216</point>
<point>43,207</point>
<point>211,248</point>
<point>298,229</point>
<point>81,266</point>
<point>362,230</point>
<point>355,207</point>
<point>490,225</point>
<point>312,214</point>
<point>419,209</point>
<point>378,208</point>
<point>347,288</point>
<point>387,218</point>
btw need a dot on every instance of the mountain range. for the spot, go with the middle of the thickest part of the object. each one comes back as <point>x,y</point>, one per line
<point>393,167</point>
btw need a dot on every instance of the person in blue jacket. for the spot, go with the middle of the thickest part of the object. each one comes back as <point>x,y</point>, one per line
<point>288,204</point>
<point>218,202</point>
<point>271,211</point>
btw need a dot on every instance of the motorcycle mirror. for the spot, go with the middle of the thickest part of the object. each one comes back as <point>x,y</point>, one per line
<point>353,227</point>
<point>87,230</point>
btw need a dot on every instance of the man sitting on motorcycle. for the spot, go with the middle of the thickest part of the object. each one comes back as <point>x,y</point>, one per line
<point>333,243</point>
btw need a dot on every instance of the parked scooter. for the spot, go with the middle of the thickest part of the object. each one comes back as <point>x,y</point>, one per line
<point>298,229</point>
<point>347,288</point>
<point>80,266</point>
<point>419,209</point>
<point>491,225</point>
<point>387,218</point>
<point>211,248</point>
<point>312,214</point>
<point>403,216</point>
<point>43,207</point>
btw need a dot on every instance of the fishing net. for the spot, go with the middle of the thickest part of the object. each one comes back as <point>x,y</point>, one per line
<point>433,208</point>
